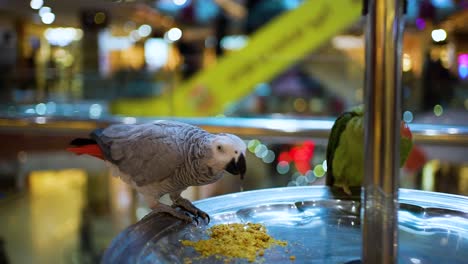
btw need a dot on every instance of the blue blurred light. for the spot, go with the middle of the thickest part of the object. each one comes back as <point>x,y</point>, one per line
<point>41,109</point>
<point>170,6</point>
<point>408,116</point>
<point>206,10</point>
<point>463,71</point>
<point>291,4</point>
<point>442,3</point>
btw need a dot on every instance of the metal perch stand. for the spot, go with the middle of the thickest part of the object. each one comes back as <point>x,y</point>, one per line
<point>384,27</point>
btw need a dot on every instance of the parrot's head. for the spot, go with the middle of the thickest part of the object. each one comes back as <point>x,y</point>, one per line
<point>229,153</point>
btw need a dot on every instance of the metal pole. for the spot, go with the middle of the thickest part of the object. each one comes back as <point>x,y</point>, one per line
<point>382,129</point>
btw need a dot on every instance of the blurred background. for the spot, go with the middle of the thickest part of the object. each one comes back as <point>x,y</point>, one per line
<point>275,72</point>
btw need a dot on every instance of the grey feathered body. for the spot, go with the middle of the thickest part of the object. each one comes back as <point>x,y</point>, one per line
<point>161,157</point>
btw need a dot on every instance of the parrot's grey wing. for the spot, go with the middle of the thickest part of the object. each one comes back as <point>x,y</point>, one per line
<point>148,152</point>
<point>105,137</point>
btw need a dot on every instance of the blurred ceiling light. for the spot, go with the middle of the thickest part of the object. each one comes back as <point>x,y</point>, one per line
<point>407,63</point>
<point>179,2</point>
<point>44,10</point>
<point>234,42</point>
<point>36,4</point>
<point>107,42</point>
<point>348,42</point>
<point>173,34</point>
<point>48,18</point>
<point>62,36</point>
<point>156,53</point>
<point>144,30</point>
<point>438,35</point>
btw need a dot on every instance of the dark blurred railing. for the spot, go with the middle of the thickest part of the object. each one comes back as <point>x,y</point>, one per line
<point>266,128</point>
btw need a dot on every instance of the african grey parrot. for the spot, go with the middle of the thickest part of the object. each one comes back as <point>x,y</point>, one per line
<point>166,157</point>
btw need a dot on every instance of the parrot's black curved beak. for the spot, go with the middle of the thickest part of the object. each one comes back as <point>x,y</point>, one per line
<point>238,167</point>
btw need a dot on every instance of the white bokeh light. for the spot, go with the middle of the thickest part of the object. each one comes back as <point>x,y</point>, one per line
<point>173,34</point>
<point>44,10</point>
<point>36,4</point>
<point>438,35</point>
<point>48,18</point>
<point>180,2</point>
<point>144,30</point>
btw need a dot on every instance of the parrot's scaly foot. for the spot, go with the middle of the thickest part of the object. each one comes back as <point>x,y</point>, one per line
<point>345,188</point>
<point>189,207</point>
<point>162,208</point>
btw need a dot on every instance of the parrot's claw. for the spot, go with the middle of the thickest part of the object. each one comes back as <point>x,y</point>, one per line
<point>162,208</point>
<point>205,217</point>
<point>192,209</point>
<point>192,218</point>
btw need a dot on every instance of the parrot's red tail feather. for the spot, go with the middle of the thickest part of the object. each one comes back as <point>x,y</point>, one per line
<point>92,150</point>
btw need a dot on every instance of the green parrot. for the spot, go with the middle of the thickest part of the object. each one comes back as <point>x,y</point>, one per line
<point>345,150</point>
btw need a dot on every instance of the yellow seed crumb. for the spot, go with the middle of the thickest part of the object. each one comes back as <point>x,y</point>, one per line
<point>235,241</point>
<point>292,257</point>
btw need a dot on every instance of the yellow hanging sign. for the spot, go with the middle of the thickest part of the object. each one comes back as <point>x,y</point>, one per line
<point>276,46</point>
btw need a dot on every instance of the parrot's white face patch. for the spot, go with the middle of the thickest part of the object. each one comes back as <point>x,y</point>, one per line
<point>226,147</point>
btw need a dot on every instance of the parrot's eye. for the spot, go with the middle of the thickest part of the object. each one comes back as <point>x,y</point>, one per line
<point>219,147</point>
<point>235,152</point>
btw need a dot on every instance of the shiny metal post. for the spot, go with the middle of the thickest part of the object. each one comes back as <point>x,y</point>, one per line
<point>384,28</point>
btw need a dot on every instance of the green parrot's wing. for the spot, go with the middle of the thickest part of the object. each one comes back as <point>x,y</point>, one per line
<point>333,141</point>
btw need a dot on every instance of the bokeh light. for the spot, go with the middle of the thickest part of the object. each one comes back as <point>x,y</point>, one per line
<point>310,176</point>
<point>41,109</point>
<point>253,144</point>
<point>180,2</point>
<point>319,171</point>
<point>438,35</point>
<point>408,116</point>
<point>36,4</point>
<point>407,63</point>
<point>301,180</point>
<point>438,110</point>
<point>144,30</point>
<point>99,18</point>
<point>173,34</point>
<point>270,157</point>
<point>95,111</point>
<point>300,105</point>
<point>282,167</point>
<point>48,18</point>
<point>44,10</point>
<point>261,151</point>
